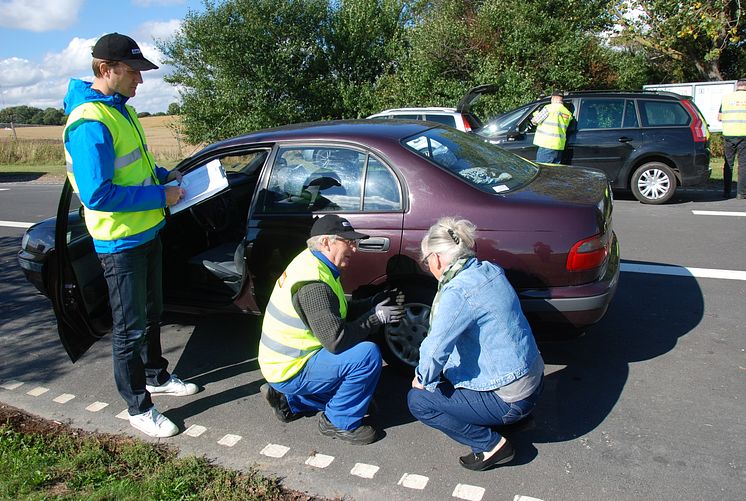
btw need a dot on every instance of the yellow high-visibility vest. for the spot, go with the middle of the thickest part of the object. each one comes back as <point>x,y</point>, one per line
<point>133,166</point>
<point>551,132</point>
<point>733,113</point>
<point>286,343</point>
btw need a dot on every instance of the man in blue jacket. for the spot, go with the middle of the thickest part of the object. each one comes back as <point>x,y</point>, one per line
<point>115,176</point>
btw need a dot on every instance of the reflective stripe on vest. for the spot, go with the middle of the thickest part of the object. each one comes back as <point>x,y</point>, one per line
<point>133,166</point>
<point>286,343</point>
<point>733,113</point>
<point>551,133</point>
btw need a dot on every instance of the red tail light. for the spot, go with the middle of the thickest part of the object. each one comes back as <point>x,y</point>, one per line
<point>588,253</point>
<point>467,126</point>
<point>698,126</point>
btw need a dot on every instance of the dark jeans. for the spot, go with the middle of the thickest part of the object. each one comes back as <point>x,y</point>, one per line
<point>549,156</point>
<point>136,297</point>
<point>734,146</point>
<point>468,416</point>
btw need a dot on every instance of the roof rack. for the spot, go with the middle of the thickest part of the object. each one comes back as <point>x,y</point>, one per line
<point>619,91</point>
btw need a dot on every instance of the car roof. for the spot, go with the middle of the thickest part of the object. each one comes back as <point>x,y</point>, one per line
<point>416,110</point>
<point>654,94</point>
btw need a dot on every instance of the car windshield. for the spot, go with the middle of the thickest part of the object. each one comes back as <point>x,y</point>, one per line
<point>502,123</point>
<point>478,162</point>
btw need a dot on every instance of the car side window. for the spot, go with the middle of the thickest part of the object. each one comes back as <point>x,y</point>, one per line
<point>381,188</point>
<point>315,179</point>
<point>448,120</point>
<point>601,114</point>
<point>662,113</point>
<point>630,115</point>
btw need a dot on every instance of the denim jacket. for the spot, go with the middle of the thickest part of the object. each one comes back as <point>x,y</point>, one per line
<point>479,338</point>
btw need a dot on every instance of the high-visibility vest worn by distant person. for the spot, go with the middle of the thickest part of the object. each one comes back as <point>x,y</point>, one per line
<point>286,343</point>
<point>551,132</point>
<point>733,114</point>
<point>133,166</point>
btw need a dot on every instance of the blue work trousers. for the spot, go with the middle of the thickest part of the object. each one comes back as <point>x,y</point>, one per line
<point>468,416</point>
<point>548,155</point>
<point>341,385</point>
<point>136,298</point>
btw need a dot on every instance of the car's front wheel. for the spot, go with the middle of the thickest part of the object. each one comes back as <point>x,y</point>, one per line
<point>653,183</point>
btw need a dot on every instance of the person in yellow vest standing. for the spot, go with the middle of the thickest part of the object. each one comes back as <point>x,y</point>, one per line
<point>118,182</point>
<point>733,116</point>
<point>313,350</point>
<point>551,132</point>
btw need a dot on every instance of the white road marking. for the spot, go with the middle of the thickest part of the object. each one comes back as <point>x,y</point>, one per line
<point>11,385</point>
<point>683,271</point>
<point>718,213</point>
<point>518,497</point>
<point>39,390</point>
<point>274,450</point>
<point>195,430</point>
<point>96,406</point>
<point>319,460</point>
<point>229,440</point>
<point>4,189</point>
<point>468,492</point>
<point>412,481</point>
<point>363,470</point>
<point>124,415</point>
<point>64,398</point>
<point>15,224</point>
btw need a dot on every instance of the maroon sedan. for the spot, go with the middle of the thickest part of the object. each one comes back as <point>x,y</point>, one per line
<point>548,226</point>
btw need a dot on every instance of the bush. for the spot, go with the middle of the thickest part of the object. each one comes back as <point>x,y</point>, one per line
<point>716,145</point>
<point>32,152</point>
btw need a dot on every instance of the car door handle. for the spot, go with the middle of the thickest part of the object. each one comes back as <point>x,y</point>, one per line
<point>625,139</point>
<point>375,244</point>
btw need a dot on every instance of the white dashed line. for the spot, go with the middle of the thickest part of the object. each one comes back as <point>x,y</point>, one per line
<point>64,398</point>
<point>518,497</point>
<point>274,450</point>
<point>124,415</point>
<point>682,271</point>
<point>718,213</point>
<point>229,440</point>
<point>11,385</point>
<point>412,481</point>
<point>15,224</point>
<point>363,470</point>
<point>319,460</point>
<point>195,430</point>
<point>96,406</point>
<point>468,492</point>
<point>39,390</point>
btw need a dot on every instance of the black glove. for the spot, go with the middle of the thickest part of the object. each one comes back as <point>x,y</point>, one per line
<point>394,295</point>
<point>389,314</point>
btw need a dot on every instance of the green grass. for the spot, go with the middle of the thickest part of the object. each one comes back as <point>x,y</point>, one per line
<point>62,463</point>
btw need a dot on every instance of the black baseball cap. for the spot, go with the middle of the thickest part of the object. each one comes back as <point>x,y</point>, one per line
<point>558,92</point>
<point>335,225</point>
<point>116,47</point>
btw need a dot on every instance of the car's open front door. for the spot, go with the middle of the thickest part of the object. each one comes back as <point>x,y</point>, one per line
<point>75,282</point>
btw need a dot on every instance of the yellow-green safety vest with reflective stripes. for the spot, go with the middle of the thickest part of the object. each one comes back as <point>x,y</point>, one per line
<point>733,113</point>
<point>551,132</point>
<point>133,166</point>
<point>286,343</point>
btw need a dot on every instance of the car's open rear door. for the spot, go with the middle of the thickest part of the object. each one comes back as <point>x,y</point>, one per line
<point>75,282</point>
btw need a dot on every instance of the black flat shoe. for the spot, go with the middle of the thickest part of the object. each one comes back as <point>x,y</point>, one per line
<point>362,435</point>
<point>279,403</point>
<point>478,462</point>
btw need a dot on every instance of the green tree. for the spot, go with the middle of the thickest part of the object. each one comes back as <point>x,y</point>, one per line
<point>173,109</point>
<point>692,40</point>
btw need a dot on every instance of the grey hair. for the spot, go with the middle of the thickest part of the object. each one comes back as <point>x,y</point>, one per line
<point>741,83</point>
<point>451,238</point>
<point>314,243</point>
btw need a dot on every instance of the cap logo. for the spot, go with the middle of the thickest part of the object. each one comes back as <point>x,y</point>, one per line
<point>136,51</point>
<point>346,224</point>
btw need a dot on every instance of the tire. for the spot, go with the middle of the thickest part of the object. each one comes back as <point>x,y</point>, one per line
<point>400,343</point>
<point>653,183</point>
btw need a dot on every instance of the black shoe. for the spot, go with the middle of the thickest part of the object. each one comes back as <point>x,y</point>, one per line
<point>478,462</point>
<point>362,435</point>
<point>279,404</point>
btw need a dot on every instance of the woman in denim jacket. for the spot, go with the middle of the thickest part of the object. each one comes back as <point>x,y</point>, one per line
<point>479,365</point>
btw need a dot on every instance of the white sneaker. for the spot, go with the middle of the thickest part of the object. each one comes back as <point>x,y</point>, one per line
<point>174,386</point>
<point>154,424</point>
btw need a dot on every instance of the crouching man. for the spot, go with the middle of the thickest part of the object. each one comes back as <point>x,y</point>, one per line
<point>312,357</point>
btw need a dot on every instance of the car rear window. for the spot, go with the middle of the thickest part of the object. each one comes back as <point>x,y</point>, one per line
<point>662,113</point>
<point>448,120</point>
<point>470,157</point>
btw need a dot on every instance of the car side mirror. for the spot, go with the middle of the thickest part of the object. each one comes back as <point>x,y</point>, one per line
<point>514,135</point>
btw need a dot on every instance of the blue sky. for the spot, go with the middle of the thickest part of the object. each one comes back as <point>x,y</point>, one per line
<point>44,43</point>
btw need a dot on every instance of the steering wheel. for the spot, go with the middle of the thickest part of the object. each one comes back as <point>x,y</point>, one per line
<point>213,215</point>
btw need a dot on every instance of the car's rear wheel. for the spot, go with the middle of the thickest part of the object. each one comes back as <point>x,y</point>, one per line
<point>653,183</point>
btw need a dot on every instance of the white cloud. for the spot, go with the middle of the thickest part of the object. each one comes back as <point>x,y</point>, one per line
<point>74,59</point>
<point>16,72</point>
<point>157,30</point>
<point>39,15</point>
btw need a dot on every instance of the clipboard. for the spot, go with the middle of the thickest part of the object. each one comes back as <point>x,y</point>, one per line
<point>200,184</point>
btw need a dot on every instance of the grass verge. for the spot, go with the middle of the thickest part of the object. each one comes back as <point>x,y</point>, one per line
<point>40,459</point>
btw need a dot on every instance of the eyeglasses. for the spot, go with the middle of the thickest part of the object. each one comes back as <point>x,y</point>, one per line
<point>352,243</point>
<point>424,259</point>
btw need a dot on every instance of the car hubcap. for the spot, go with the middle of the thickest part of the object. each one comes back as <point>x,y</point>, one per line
<point>404,339</point>
<point>654,184</point>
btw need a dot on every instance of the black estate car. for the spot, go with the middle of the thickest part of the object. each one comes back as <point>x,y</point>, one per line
<point>646,142</point>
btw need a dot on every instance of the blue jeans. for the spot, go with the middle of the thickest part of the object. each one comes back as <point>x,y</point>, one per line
<point>467,416</point>
<point>548,156</point>
<point>341,385</point>
<point>136,298</point>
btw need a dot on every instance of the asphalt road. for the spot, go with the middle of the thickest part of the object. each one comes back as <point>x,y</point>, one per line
<point>649,404</point>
